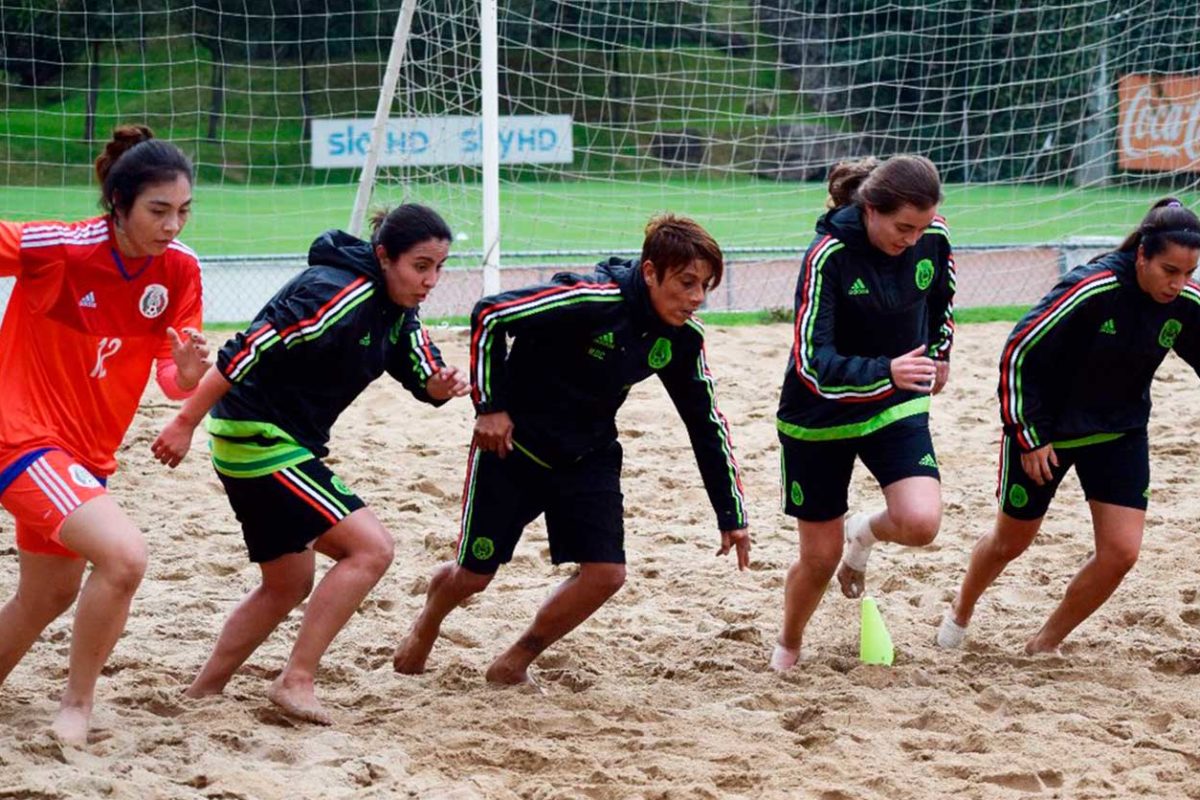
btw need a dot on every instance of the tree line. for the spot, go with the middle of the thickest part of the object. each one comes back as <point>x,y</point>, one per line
<point>1004,89</point>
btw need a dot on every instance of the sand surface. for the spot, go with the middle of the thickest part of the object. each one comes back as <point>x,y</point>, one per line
<point>665,692</point>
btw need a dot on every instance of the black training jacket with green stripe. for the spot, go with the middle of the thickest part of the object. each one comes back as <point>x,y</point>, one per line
<point>857,308</point>
<point>578,344</point>
<point>317,344</point>
<point>1080,363</point>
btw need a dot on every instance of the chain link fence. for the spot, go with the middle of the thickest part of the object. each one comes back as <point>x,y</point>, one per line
<point>235,288</point>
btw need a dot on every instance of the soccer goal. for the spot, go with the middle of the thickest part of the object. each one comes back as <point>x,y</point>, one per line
<point>548,131</point>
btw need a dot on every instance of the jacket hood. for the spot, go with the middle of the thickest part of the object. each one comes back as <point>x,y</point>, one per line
<point>627,273</point>
<point>846,223</point>
<point>336,248</point>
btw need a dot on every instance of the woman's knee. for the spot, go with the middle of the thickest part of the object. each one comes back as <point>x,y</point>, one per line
<point>820,548</point>
<point>820,561</point>
<point>917,526</point>
<point>1119,558</point>
<point>124,569</point>
<point>287,593</point>
<point>50,601</point>
<point>377,553</point>
<point>466,582</point>
<point>605,578</point>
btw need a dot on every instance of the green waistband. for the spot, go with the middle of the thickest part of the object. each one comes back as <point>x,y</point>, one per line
<point>853,430</point>
<point>1084,441</point>
<point>250,449</point>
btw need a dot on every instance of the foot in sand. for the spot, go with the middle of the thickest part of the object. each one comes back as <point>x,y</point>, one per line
<point>502,673</point>
<point>856,549</point>
<point>298,700</point>
<point>411,654</point>
<point>71,725</point>
<point>1036,647</point>
<point>198,690</point>
<point>950,634</point>
<point>783,658</point>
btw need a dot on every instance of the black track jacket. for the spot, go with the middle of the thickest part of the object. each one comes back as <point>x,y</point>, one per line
<point>1080,363</point>
<point>313,348</point>
<point>579,343</point>
<point>856,309</point>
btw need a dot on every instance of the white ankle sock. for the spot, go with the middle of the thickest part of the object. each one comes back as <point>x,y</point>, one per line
<point>950,634</point>
<point>859,541</point>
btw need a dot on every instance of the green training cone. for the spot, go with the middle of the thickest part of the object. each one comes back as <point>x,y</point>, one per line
<point>874,642</point>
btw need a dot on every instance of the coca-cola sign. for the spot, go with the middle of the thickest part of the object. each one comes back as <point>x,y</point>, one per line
<point>1159,120</point>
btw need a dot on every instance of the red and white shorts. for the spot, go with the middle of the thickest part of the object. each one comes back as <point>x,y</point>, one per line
<point>41,489</point>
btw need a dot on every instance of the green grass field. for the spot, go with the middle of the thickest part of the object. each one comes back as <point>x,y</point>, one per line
<point>597,215</point>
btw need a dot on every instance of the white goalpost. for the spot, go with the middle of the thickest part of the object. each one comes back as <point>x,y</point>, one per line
<point>490,104</point>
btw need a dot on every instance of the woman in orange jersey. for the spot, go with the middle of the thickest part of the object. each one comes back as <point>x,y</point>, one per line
<point>96,304</point>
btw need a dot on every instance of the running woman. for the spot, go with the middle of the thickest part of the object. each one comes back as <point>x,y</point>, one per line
<point>874,325</point>
<point>1075,380</point>
<point>546,438</point>
<point>276,392</point>
<point>96,305</point>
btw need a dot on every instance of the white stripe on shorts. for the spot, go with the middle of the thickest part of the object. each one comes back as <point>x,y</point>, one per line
<point>53,487</point>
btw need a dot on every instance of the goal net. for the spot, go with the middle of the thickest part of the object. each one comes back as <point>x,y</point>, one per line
<point>1051,124</point>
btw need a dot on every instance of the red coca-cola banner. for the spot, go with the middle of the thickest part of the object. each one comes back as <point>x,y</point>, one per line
<point>1159,122</point>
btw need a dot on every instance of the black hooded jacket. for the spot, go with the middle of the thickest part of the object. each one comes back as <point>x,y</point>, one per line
<point>857,308</point>
<point>1081,362</point>
<point>315,346</point>
<point>579,343</point>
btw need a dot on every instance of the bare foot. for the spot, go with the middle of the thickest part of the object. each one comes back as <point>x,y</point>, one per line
<point>1035,647</point>
<point>411,654</point>
<point>71,725</point>
<point>298,700</point>
<point>413,651</point>
<point>851,580</point>
<point>783,658</point>
<point>198,690</point>
<point>501,673</point>
<point>856,549</point>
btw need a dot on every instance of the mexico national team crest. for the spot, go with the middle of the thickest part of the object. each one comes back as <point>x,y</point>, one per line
<point>924,275</point>
<point>154,301</point>
<point>82,477</point>
<point>660,354</point>
<point>1168,334</point>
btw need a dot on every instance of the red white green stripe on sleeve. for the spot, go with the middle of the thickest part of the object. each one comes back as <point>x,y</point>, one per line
<point>736,493</point>
<point>804,352</point>
<point>256,344</point>
<point>941,349</point>
<point>303,331</point>
<point>498,314</point>
<point>1012,409</point>
<point>422,353</point>
<point>1192,292</point>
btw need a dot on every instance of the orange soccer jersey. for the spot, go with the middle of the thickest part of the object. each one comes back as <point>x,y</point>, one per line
<point>81,332</point>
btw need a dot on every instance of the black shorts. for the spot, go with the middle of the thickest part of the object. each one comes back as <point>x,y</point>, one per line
<point>582,502</point>
<point>285,511</point>
<point>816,474</point>
<point>1115,471</point>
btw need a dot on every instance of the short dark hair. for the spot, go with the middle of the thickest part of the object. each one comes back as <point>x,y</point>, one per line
<point>406,226</point>
<point>885,185</point>
<point>132,160</point>
<point>1167,222</point>
<point>672,242</point>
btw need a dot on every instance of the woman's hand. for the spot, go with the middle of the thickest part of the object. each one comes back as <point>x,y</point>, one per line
<point>493,432</point>
<point>191,357</point>
<point>914,371</point>
<point>447,382</point>
<point>1038,464</point>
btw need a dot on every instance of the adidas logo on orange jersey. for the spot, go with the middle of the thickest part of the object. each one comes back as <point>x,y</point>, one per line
<point>88,300</point>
